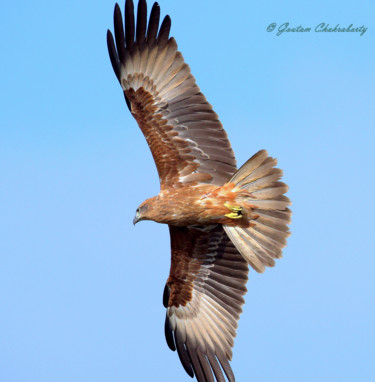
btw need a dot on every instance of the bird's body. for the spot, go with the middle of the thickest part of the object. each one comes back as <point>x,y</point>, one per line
<point>221,219</point>
<point>199,205</point>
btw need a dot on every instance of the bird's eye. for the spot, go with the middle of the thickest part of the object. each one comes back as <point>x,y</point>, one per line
<point>137,211</point>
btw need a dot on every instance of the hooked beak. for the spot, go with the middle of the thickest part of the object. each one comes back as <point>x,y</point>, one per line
<point>135,220</point>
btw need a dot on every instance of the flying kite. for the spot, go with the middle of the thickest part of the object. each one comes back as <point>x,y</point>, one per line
<point>220,219</point>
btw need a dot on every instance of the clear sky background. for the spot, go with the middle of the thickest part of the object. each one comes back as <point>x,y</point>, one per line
<point>81,288</point>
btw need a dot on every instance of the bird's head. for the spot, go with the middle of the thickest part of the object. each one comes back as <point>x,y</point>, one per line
<point>141,213</point>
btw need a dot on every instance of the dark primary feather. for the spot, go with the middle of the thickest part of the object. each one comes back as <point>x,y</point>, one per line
<point>183,353</point>
<point>153,25</point>
<point>113,55</point>
<point>129,24</point>
<point>169,334</point>
<point>119,33</point>
<point>141,21</point>
<point>166,294</point>
<point>164,31</point>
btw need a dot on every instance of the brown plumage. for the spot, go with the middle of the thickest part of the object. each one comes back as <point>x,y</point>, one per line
<point>199,205</point>
<point>220,219</point>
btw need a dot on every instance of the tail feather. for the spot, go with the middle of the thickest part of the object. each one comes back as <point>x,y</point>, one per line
<point>274,175</point>
<point>271,192</point>
<point>262,242</point>
<point>254,162</point>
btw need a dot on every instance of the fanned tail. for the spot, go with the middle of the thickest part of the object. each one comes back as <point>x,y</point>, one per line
<point>262,242</point>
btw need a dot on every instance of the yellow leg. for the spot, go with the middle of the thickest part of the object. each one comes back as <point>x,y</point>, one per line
<point>236,211</point>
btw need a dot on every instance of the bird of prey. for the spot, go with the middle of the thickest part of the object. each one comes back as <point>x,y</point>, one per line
<point>220,219</point>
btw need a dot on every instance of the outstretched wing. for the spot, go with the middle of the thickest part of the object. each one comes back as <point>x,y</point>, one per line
<point>203,297</point>
<point>186,138</point>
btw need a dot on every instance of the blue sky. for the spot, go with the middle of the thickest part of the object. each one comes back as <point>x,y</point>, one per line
<point>81,288</point>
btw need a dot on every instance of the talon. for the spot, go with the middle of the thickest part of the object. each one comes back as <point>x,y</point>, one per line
<point>236,211</point>
<point>234,215</point>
